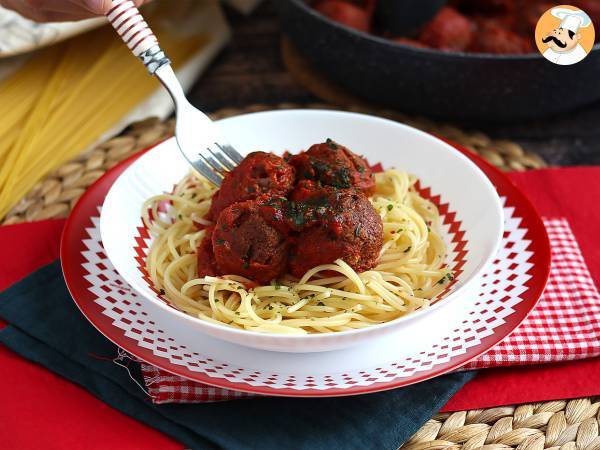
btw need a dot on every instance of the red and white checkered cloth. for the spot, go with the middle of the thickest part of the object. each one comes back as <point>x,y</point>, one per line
<point>565,325</point>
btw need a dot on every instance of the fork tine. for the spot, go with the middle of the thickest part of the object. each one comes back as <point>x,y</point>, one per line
<point>213,163</point>
<point>231,152</point>
<point>207,171</point>
<point>222,158</point>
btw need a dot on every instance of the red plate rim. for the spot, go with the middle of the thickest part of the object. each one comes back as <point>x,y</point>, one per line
<point>73,271</point>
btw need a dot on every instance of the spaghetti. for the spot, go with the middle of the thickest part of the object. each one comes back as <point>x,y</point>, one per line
<point>328,298</point>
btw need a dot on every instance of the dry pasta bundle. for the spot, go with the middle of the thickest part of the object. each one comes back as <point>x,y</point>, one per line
<point>62,100</point>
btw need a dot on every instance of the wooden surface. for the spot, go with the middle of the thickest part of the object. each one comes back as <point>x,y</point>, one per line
<point>251,71</point>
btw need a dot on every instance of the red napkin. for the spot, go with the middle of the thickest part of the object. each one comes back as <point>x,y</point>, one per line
<point>571,193</point>
<point>40,409</point>
<point>528,384</point>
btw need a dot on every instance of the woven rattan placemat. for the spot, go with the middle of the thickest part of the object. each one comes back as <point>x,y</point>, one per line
<point>59,191</point>
<point>571,425</point>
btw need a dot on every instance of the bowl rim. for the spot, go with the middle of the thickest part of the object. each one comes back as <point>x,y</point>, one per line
<point>462,288</point>
<point>446,55</point>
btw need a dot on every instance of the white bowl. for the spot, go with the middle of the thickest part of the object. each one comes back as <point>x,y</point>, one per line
<point>473,233</point>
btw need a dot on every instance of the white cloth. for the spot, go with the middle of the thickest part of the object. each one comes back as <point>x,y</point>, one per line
<point>566,58</point>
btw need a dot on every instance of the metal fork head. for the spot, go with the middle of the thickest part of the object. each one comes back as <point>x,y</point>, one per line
<point>202,145</point>
<point>197,136</point>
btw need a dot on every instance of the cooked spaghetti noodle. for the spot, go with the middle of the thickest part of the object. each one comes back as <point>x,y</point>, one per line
<point>328,298</point>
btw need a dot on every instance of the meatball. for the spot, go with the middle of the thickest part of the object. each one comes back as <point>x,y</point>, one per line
<point>257,174</point>
<point>335,223</point>
<point>334,165</point>
<point>206,257</point>
<point>448,30</point>
<point>493,37</point>
<point>345,13</point>
<point>248,241</point>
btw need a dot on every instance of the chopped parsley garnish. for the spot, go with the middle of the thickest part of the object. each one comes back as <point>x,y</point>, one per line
<point>179,216</point>
<point>390,207</point>
<point>251,189</point>
<point>277,285</point>
<point>246,265</point>
<point>341,178</point>
<point>399,230</point>
<point>357,231</point>
<point>296,212</point>
<point>448,277</point>
<point>331,144</point>
<point>194,194</point>
<point>275,203</point>
<point>320,304</point>
<point>428,230</point>
<point>407,249</point>
<point>360,169</point>
<point>220,241</point>
<point>321,169</point>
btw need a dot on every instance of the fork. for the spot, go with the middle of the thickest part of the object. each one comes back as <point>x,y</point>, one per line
<point>197,136</point>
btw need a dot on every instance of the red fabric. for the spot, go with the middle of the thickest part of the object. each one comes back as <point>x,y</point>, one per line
<point>528,384</point>
<point>565,324</point>
<point>30,246</point>
<point>40,409</point>
<point>572,193</point>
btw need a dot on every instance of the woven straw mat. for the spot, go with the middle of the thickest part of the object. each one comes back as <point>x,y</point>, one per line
<point>565,425</point>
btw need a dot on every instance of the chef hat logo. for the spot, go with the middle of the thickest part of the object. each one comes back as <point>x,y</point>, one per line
<point>564,35</point>
<point>570,19</point>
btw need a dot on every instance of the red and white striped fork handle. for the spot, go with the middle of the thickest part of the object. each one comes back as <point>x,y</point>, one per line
<point>135,32</point>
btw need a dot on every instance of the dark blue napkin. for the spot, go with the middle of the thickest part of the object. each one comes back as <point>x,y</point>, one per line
<point>46,327</point>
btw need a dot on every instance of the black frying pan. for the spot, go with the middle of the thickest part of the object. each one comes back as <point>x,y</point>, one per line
<point>461,86</point>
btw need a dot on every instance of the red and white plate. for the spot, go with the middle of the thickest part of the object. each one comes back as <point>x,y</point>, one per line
<point>441,341</point>
<point>469,206</point>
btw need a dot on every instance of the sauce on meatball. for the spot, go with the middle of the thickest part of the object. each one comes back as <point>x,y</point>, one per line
<point>247,242</point>
<point>206,265</point>
<point>336,224</point>
<point>259,173</point>
<point>334,165</point>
